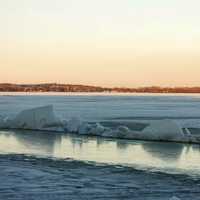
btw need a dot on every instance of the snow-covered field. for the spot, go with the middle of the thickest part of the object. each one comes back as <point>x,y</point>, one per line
<point>50,165</point>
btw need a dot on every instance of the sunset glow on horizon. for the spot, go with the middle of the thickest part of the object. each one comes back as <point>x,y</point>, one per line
<point>125,43</point>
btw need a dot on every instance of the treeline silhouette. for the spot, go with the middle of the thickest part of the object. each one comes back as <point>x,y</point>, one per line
<point>53,87</point>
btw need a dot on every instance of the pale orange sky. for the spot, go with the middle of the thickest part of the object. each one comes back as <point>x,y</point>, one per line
<point>106,43</point>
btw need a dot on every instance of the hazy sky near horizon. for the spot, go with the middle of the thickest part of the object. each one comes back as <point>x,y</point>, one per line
<point>100,42</point>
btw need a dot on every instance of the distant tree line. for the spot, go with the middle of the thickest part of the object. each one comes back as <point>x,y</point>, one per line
<point>53,87</point>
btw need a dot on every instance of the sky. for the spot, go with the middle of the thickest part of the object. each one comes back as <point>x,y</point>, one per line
<point>126,43</point>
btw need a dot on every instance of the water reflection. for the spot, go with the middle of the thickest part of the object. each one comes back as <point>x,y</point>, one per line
<point>163,151</point>
<point>137,153</point>
<point>33,142</point>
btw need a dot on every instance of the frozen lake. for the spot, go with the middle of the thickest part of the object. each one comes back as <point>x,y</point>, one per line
<point>42,165</point>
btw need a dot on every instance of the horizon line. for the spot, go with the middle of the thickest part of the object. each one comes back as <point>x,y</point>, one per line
<point>89,85</point>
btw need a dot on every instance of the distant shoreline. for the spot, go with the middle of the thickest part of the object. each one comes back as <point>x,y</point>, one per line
<point>70,88</point>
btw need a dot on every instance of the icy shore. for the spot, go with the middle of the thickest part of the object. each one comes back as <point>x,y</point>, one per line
<point>44,118</point>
